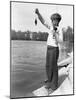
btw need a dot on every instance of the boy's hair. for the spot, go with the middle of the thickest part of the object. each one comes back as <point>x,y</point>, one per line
<point>55,16</point>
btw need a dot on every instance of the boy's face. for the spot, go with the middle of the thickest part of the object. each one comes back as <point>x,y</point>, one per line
<point>55,23</point>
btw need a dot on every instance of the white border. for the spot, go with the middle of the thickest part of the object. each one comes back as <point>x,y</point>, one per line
<point>5,49</point>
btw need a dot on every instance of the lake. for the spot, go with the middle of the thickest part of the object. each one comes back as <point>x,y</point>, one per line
<point>28,60</point>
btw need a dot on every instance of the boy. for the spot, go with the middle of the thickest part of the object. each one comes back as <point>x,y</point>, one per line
<point>52,49</point>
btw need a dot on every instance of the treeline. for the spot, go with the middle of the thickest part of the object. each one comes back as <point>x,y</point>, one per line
<point>68,34</point>
<point>28,35</point>
<point>41,36</point>
<point>68,39</point>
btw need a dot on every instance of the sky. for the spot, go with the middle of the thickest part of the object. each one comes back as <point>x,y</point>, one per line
<point>23,16</point>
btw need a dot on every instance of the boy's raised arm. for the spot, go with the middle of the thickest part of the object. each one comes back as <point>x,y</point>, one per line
<point>41,18</point>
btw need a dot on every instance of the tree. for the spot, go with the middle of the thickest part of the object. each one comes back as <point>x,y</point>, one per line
<point>68,38</point>
<point>68,34</point>
<point>13,35</point>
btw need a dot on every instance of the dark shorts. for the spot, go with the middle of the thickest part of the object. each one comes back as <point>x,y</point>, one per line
<point>51,66</point>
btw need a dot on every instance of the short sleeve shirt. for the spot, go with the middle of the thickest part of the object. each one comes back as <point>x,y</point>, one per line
<point>51,37</point>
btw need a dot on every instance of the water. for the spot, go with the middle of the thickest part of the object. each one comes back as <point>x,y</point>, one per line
<point>28,60</point>
<point>27,66</point>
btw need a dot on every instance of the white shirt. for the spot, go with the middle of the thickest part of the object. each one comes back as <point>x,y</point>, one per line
<point>51,37</point>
